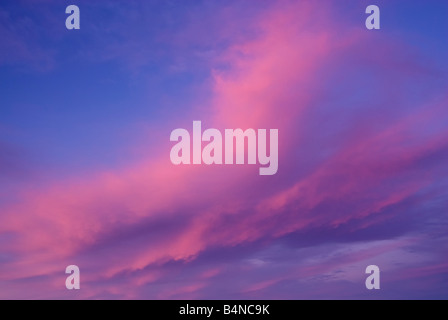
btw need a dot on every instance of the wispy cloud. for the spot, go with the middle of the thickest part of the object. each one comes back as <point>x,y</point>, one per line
<point>362,161</point>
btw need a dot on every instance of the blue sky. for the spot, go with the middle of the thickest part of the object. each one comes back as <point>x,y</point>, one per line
<point>85,175</point>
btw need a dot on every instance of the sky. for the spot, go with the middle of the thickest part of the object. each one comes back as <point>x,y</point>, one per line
<point>86,177</point>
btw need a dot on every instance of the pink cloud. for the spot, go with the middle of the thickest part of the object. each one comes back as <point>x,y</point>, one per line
<point>271,83</point>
